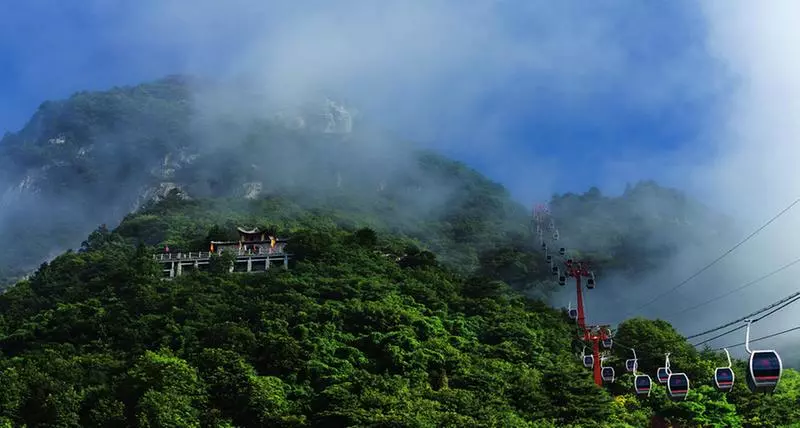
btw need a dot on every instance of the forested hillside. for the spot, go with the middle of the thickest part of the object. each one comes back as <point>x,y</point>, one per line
<point>364,329</point>
<point>415,296</point>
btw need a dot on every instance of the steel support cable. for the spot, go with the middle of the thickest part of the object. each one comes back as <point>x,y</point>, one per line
<point>725,254</point>
<point>769,336</point>
<point>720,335</point>
<point>787,303</point>
<point>750,315</point>
<point>751,283</point>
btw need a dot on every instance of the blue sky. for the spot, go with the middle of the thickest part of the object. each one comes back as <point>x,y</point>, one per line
<point>608,83</point>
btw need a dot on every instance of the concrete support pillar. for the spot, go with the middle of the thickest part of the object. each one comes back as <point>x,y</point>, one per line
<point>197,265</point>
<point>180,269</point>
<point>286,261</point>
<point>266,264</point>
<point>172,269</point>
<point>249,264</point>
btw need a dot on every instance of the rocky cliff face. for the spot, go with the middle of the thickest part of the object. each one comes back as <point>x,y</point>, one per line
<point>327,117</point>
<point>99,155</point>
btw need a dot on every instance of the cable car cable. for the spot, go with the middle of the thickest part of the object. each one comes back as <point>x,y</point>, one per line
<point>789,299</point>
<point>750,315</point>
<point>796,298</point>
<point>769,336</point>
<point>720,335</point>
<point>784,267</point>
<point>754,321</point>
<point>725,254</point>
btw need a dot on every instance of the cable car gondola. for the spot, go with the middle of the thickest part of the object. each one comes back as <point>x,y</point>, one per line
<point>590,282</point>
<point>662,374</point>
<point>562,280</point>
<point>548,258</point>
<point>606,372</point>
<point>562,251</point>
<point>723,379</point>
<point>554,270</point>
<point>678,386</point>
<point>641,382</point>
<point>764,367</point>
<point>555,235</point>
<point>607,343</point>
<point>572,312</point>
<point>588,360</point>
<point>723,376</point>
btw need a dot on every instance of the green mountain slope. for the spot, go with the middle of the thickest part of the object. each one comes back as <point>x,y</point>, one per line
<point>432,316</point>
<point>361,331</point>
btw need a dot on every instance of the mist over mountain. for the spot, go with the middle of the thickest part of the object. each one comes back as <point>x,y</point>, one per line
<point>407,265</point>
<point>97,156</point>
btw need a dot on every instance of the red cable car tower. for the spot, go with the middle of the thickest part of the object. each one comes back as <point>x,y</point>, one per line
<point>593,333</point>
<point>577,270</point>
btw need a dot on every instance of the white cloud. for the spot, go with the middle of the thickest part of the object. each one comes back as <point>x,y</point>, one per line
<point>750,171</point>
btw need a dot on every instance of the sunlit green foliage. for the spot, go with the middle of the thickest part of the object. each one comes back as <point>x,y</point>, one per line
<point>365,329</point>
<point>395,312</point>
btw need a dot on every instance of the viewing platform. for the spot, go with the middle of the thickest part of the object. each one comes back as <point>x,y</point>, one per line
<point>255,251</point>
<point>246,261</point>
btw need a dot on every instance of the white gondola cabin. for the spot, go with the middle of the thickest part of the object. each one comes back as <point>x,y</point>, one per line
<point>562,280</point>
<point>764,367</point>
<point>723,379</point>
<point>607,374</point>
<point>678,386</point>
<point>572,312</point>
<point>662,375</point>
<point>607,343</point>
<point>588,360</point>
<point>723,376</point>
<point>562,251</point>
<point>642,384</point>
<point>591,281</point>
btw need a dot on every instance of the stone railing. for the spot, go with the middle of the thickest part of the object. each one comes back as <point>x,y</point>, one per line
<point>182,256</point>
<point>207,254</point>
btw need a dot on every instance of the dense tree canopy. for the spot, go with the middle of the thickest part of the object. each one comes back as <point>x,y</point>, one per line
<point>364,329</point>
<point>414,296</point>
